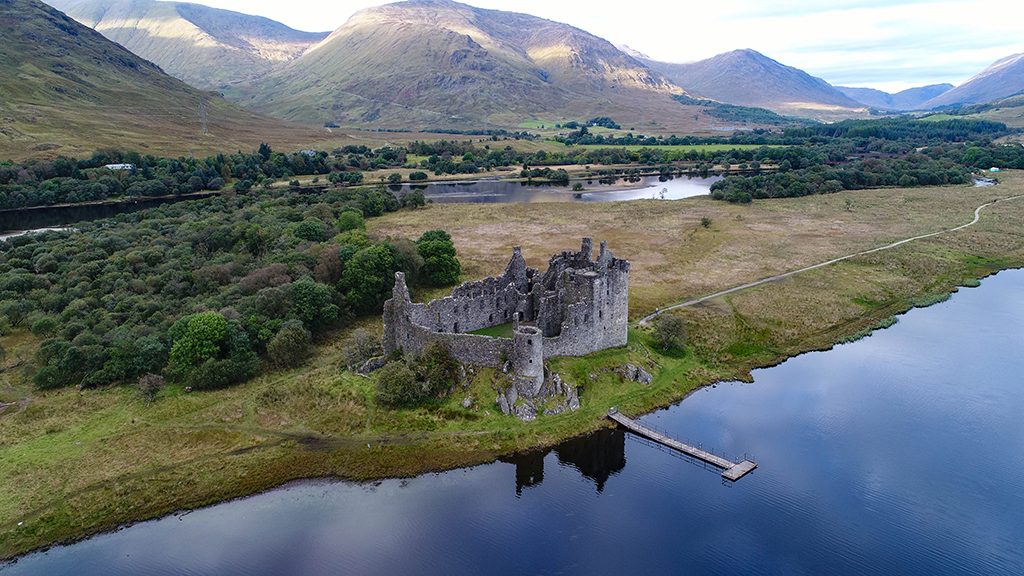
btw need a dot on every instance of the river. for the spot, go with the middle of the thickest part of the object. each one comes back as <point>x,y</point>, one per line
<point>901,453</point>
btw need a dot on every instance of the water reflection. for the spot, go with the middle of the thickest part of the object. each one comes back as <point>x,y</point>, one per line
<point>597,457</point>
<point>594,190</point>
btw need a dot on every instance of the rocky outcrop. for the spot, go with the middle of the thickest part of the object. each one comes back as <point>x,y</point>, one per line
<point>634,373</point>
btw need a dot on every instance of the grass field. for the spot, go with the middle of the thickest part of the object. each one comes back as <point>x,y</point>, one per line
<point>939,117</point>
<point>689,147</point>
<point>499,331</point>
<point>76,462</point>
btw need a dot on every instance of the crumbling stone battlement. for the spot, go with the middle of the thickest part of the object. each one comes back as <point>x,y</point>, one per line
<point>578,306</point>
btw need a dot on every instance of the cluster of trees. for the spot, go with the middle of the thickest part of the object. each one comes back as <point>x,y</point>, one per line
<point>904,129</point>
<point>65,180</point>
<point>558,176</point>
<point>820,178</point>
<point>602,121</point>
<point>741,114</point>
<point>205,292</point>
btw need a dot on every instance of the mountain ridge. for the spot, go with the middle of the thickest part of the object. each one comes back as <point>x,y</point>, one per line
<point>904,100</point>
<point>746,77</point>
<point>1002,79</point>
<point>66,89</point>
<point>424,62</point>
<point>203,46</point>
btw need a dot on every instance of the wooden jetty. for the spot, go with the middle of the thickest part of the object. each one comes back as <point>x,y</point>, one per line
<point>730,470</point>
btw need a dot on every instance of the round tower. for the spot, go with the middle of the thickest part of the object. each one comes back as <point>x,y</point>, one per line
<point>528,359</point>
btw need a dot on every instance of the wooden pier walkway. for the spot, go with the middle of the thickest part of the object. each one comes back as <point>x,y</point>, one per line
<point>730,470</point>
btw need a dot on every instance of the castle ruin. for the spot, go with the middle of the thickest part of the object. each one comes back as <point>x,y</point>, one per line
<point>578,306</point>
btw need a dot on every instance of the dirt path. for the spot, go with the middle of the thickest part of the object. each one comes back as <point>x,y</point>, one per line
<point>977,216</point>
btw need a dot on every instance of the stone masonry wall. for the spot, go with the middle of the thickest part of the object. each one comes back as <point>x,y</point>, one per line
<point>578,306</point>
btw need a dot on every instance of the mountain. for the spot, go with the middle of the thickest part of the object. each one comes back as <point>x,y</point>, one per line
<point>1002,79</point>
<point>429,63</point>
<point>66,89</point>
<point>910,99</point>
<point>203,46</point>
<point>749,78</point>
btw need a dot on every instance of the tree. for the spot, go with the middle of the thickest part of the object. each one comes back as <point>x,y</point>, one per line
<point>368,278</point>
<point>440,265</point>
<point>44,326</point>
<point>397,385</point>
<point>442,270</point>
<point>437,369</point>
<point>312,229</point>
<point>149,386</point>
<point>351,219</point>
<point>395,178</point>
<point>434,235</point>
<point>418,176</point>
<point>669,332</point>
<point>414,199</point>
<point>361,346</point>
<point>313,303</point>
<point>195,339</point>
<point>291,345</point>
<point>132,357</point>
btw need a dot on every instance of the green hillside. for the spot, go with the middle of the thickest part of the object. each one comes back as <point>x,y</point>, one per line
<point>430,63</point>
<point>203,46</point>
<point>66,89</point>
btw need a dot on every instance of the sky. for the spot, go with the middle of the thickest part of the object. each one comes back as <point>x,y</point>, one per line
<point>885,44</point>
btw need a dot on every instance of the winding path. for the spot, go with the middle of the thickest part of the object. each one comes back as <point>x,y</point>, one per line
<point>695,301</point>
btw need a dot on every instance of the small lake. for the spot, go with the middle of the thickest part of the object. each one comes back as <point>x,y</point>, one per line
<point>16,222</point>
<point>902,453</point>
<point>495,191</point>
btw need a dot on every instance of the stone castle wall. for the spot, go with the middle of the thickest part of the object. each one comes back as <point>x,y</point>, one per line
<point>578,306</point>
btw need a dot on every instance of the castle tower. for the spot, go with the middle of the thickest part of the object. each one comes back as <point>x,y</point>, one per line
<point>396,315</point>
<point>528,359</point>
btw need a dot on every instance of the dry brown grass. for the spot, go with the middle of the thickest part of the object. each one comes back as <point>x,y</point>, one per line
<point>673,256</point>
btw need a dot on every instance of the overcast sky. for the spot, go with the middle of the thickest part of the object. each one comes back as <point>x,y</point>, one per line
<point>885,44</point>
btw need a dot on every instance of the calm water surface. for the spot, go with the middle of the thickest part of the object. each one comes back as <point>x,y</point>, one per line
<point>902,453</point>
<point>492,191</point>
<point>41,218</point>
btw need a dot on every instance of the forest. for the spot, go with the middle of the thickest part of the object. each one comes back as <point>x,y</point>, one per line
<point>210,292</point>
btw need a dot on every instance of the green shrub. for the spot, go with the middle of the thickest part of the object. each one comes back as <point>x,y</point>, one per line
<point>291,345</point>
<point>397,385</point>
<point>437,369</point>
<point>669,332</point>
<point>312,229</point>
<point>44,326</point>
<point>195,339</point>
<point>351,219</point>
